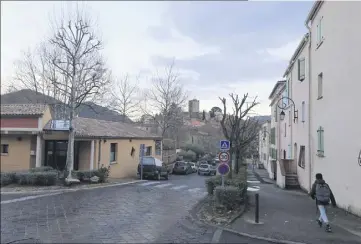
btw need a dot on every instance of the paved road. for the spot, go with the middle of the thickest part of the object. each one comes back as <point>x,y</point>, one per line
<point>227,237</point>
<point>151,212</point>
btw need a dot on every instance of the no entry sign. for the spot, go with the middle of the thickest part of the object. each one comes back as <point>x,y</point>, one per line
<point>223,157</point>
<point>223,169</point>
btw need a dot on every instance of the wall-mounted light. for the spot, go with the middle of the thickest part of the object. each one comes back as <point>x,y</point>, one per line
<point>284,106</point>
<point>130,140</point>
<point>104,140</point>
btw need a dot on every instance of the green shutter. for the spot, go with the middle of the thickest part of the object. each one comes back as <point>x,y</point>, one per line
<point>320,141</point>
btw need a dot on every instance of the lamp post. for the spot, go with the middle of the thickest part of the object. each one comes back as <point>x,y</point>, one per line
<point>283,106</point>
<point>264,134</point>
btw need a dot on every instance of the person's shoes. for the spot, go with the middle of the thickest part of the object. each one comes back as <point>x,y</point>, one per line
<point>328,228</point>
<point>319,222</point>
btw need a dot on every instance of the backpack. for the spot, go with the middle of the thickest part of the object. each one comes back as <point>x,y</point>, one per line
<point>323,193</point>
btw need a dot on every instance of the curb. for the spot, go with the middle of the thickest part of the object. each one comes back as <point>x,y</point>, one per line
<point>68,190</point>
<point>194,218</point>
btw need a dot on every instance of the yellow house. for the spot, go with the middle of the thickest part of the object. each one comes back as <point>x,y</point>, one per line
<point>97,143</point>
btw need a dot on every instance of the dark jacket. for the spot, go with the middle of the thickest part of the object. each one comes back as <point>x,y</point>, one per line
<point>313,193</point>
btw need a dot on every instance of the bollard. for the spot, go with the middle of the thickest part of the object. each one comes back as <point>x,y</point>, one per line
<point>257,209</point>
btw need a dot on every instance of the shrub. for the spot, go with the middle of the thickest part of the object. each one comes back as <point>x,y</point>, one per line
<point>103,173</point>
<point>47,178</point>
<point>82,175</point>
<point>8,178</point>
<point>228,196</point>
<point>237,181</point>
<point>42,169</point>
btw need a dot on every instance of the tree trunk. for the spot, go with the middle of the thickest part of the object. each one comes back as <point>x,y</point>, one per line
<point>237,162</point>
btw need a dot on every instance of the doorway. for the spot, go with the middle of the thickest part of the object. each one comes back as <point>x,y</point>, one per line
<point>56,153</point>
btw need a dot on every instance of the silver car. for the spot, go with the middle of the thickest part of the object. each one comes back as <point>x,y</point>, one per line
<point>206,169</point>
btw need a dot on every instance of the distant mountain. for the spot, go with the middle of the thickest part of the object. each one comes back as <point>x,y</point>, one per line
<point>86,110</point>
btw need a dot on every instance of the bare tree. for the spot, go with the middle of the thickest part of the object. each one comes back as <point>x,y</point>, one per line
<point>84,77</point>
<point>165,99</point>
<point>236,126</point>
<point>125,97</point>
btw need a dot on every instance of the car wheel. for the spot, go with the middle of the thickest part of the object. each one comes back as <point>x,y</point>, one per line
<point>158,176</point>
<point>166,176</point>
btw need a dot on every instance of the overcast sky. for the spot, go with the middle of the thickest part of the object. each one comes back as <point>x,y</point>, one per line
<point>219,47</point>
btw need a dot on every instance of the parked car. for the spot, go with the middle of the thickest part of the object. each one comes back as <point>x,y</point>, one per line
<point>181,167</point>
<point>207,169</point>
<point>153,168</point>
<point>194,167</point>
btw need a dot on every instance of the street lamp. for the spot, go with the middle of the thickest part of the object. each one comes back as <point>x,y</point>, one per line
<point>264,134</point>
<point>285,106</point>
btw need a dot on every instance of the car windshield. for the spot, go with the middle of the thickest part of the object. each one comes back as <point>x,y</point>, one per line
<point>148,161</point>
<point>204,166</point>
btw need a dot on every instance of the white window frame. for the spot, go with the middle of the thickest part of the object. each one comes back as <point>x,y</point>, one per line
<point>320,86</point>
<point>113,155</point>
<point>320,36</point>
<point>301,77</point>
<point>303,107</point>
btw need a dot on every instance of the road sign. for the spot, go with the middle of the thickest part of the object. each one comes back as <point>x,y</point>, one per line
<point>224,157</point>
<point>224,145</point>
<point>223,168</point>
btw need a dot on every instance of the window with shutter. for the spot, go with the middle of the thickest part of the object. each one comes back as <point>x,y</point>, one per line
<point>320,140</point>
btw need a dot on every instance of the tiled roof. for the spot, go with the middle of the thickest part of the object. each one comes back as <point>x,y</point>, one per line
<point>85,127</point>
<point>23,109</point>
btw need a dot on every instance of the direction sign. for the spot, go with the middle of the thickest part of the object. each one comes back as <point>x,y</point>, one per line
<point>223,169</point>
<point>223,157</point>
<point>224,145</point>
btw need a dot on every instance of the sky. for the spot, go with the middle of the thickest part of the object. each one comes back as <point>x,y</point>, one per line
<point>218,47</point>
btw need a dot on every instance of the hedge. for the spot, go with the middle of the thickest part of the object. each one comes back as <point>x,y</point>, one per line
<point>42,169</point>
<point>239,181</point>
<point>228,196</point>
<point>102,173</point>
<point>8,178</point>
<point>46,178</point>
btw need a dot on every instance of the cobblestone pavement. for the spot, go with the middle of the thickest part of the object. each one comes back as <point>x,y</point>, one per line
<point>124,214</point>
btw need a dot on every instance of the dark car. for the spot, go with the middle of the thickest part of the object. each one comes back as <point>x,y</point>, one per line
<point>181,167</point>
<point>153,168</point>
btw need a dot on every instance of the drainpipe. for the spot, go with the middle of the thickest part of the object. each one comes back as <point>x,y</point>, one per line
<point>309,105</point>
<point>99,152</point>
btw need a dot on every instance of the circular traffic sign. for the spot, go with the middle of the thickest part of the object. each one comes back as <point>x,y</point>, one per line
<point>223,157</point>
<point>223,169</point>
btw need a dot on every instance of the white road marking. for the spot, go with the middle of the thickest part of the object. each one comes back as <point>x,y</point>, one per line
<point>150,183</point>
<point>253,181</point>
<point>178,187</point>
<point>252,189</point>
<point>163,185</point>
<point>29,198</point>
<point>195,189</point>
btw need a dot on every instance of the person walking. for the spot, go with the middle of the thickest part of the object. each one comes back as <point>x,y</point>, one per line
<point>321,191</point>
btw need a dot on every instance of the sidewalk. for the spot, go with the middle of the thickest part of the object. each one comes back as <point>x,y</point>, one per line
<point>290,215</point>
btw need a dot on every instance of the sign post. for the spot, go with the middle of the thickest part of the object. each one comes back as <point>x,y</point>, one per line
<point>141,154</point>
<point>224,157</point>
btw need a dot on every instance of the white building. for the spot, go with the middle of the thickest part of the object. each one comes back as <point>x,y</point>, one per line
<point>264,138</point>
<point>322,79</point>
<point>274,154</point>
<point>297,83</point>
<point>193,108</point>
<point>335,98</point>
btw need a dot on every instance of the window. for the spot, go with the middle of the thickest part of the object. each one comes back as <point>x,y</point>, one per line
<point>320,140</point>
<point>4,149</point>
<point>301,158</point>
<point>158,147</point>
<point>148,151</point>
<point>289,118</point>
<point>301,69</point>
<point>113,152</point>
<point>285,129</point>
<point>320,86</point>
<point>303,111</point>
<point>273,136</point>
<point>320,36</point>
<point>276,114</point>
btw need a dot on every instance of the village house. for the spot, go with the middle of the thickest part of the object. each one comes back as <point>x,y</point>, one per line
<point>317,129</point>
<point>31,138</point>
